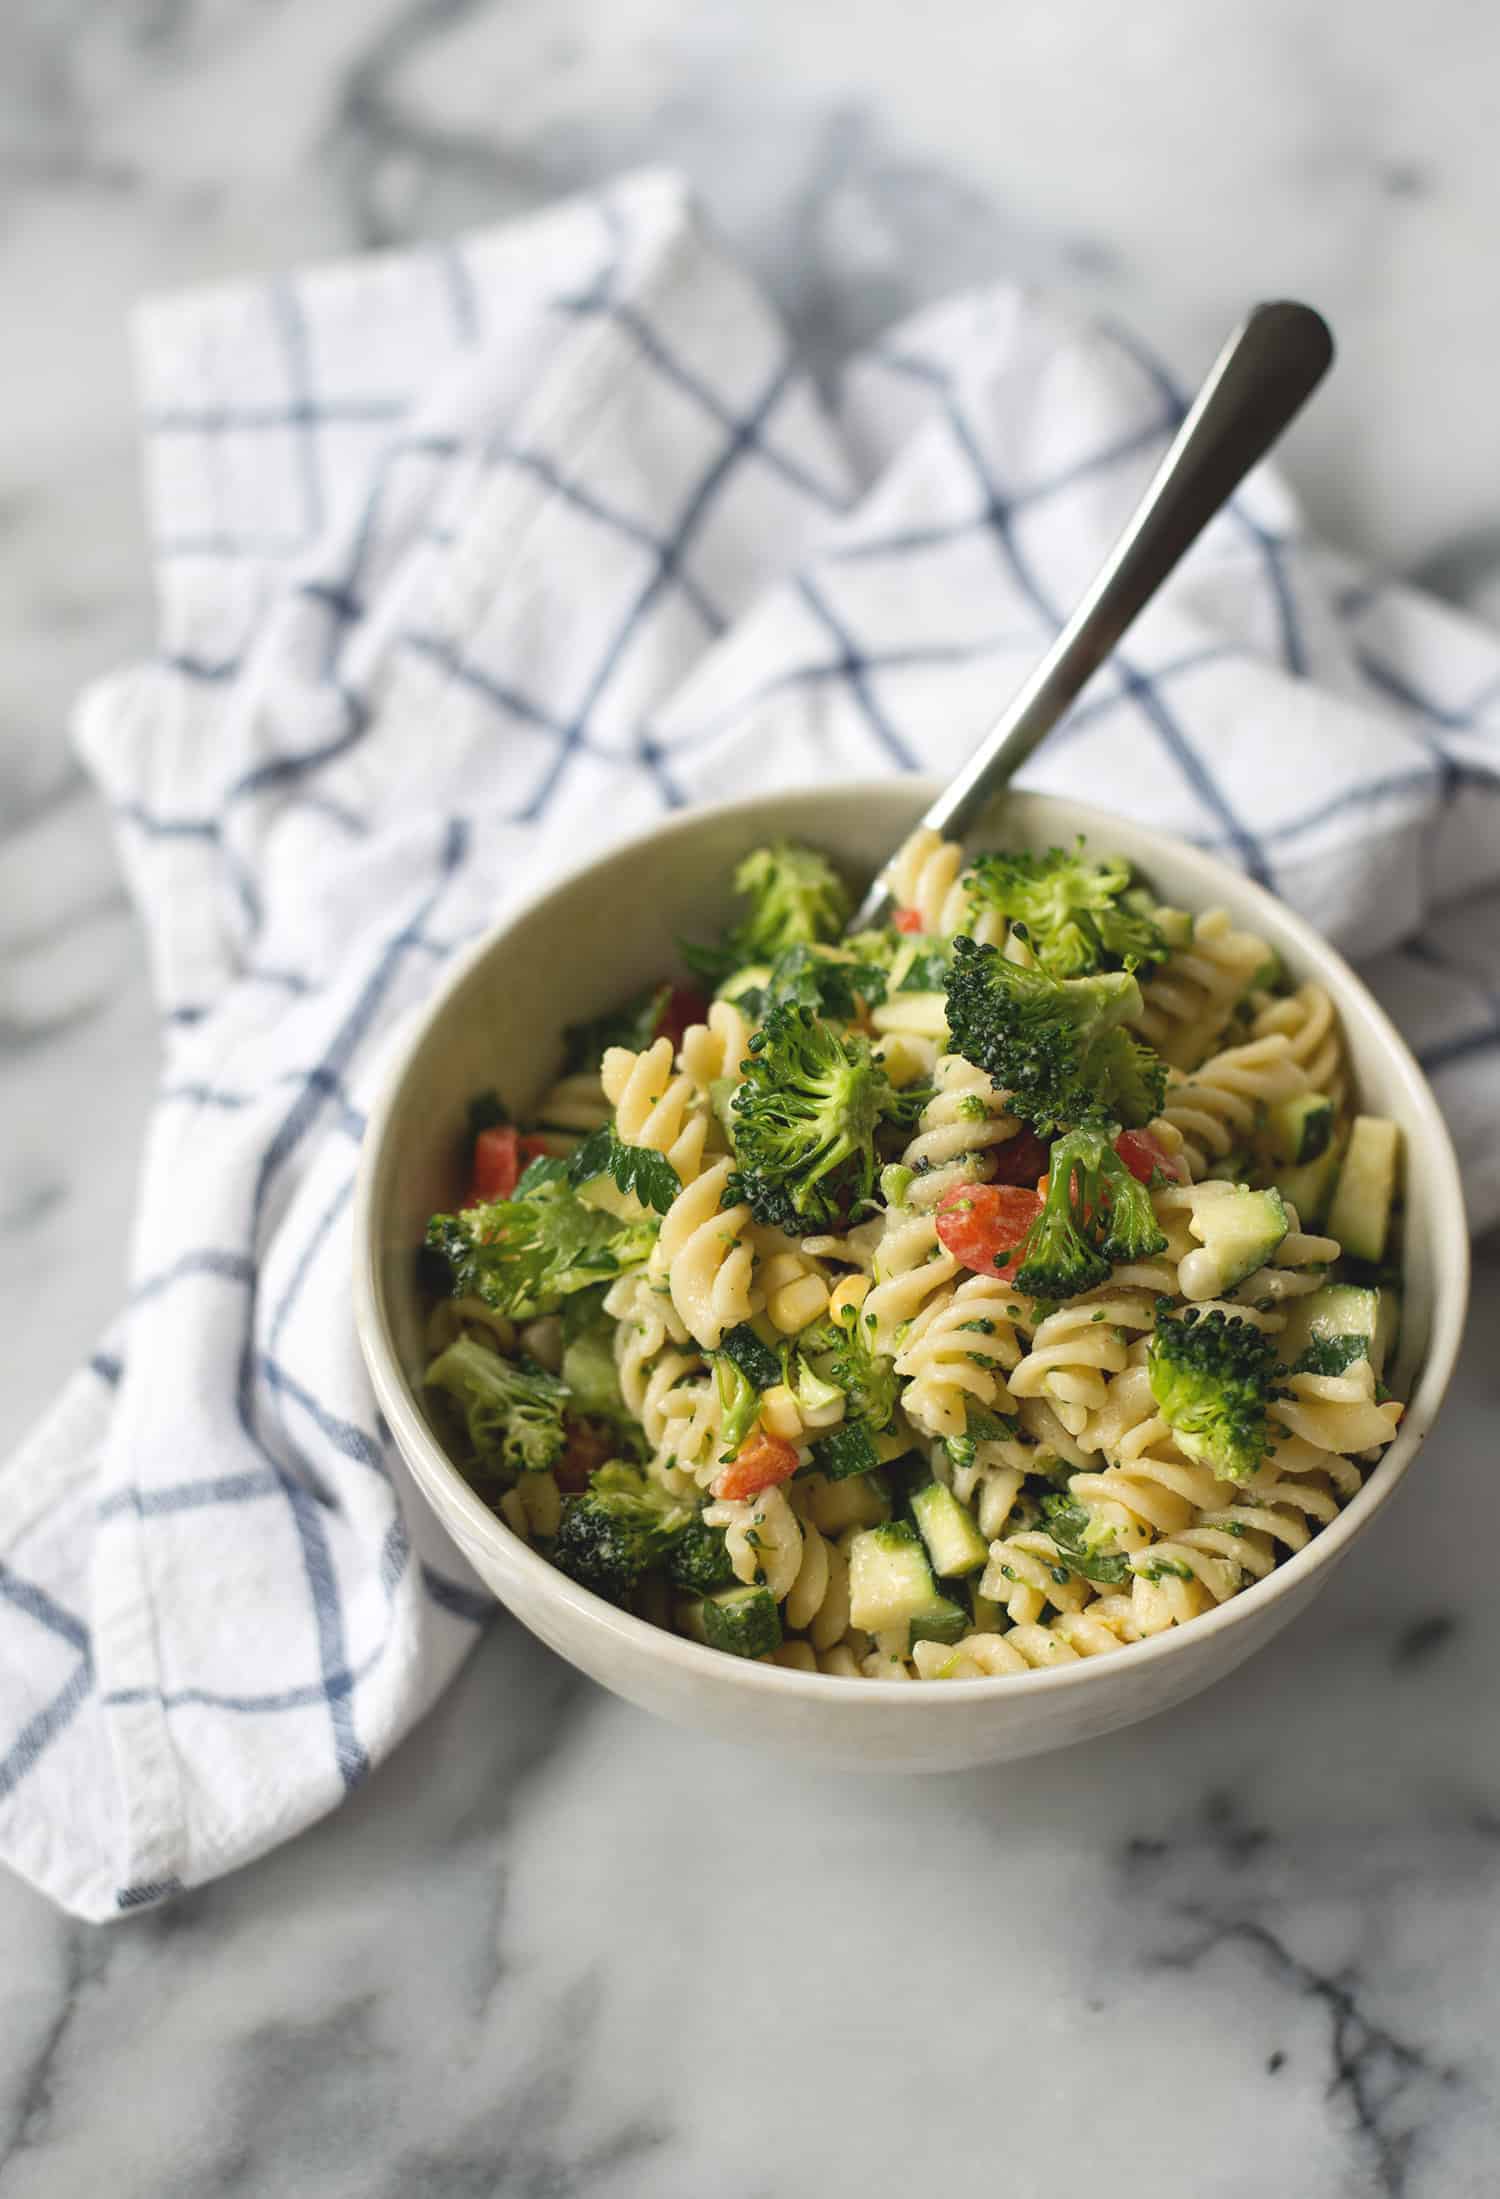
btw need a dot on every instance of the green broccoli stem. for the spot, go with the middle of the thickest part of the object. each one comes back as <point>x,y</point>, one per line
<point>1095,1214</point>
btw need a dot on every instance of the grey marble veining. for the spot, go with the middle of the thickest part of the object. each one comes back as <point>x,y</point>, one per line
<point>552,1947</point>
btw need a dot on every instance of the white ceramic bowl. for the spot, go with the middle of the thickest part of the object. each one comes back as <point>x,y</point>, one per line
<point>608,930</point>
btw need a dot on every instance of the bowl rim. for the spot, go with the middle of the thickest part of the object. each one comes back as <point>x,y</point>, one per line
<point>433,1469</point>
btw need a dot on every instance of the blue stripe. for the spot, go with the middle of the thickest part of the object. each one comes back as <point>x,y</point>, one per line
<point>350,1755</point>
<point>855,669</point>
<point>958,530</point>
<point>145,1892</point>
<point>395,1555</point>
<point>37,1732</point>
<point>345,1435</point>
<point>1172,738</point>
<point>351,1119</point>
<point>287,981</point>
<point>462,1602</point>
<point>225,1267</point>
<point>306,1697</point>
<point>312,1245</point>
<point>504,698</point>
<point>342,599</point>
<point>682,377</point>
<point>286,311</point>
<point>301,412</point>
<point>814,675</point>
<point>221,544</point>
<point>190,1496</point>
<point>201,1095</point>
<point>277,771</point>
<point>1365,796</point>
<point>201,669</point>
<point>1194,770</point>
<point>583,500</point>
<point>743,436</point>
<point>332,596</point>
<point>463,299</point>
<point>166,828</point>
<point>46,1610</point>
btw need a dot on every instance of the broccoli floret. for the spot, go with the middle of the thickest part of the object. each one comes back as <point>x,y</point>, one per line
<point>1053,1045</point>
<point>866,1376</point>
<point>1057,1259</point>
<point>797,899</point>
<point>525,1255</point>
<point>805,1118</point>
<point>739,1404</point>
<point>699,1560</point>
<point>1074,915</point>
<point>512,1408</point>
<point>1213,1377</point>
<point>1095,1213</point>
<point>617,1530</point>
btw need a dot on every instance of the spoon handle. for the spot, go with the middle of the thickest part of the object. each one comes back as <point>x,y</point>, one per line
<point>1270,366</point>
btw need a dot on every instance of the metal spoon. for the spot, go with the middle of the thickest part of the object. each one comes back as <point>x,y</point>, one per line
<point>1268,369</point>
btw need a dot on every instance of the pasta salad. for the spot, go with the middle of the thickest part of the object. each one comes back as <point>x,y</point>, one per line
<point>998,1288</point>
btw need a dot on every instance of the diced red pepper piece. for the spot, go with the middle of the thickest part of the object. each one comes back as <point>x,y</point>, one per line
<point>984,1226</point>
<point>1145,1157</point>
<point>760,1463</point>
<point>908,920</point>
<point>497,1164</point>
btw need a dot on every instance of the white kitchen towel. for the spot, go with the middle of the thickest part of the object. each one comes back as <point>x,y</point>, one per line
<point>469,559</point>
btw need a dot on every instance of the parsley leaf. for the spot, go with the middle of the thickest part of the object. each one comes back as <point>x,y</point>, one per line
<point>632,1168</point>
<point>1068,1524</point>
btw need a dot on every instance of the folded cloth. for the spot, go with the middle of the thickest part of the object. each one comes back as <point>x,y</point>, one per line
<point>469,558</point>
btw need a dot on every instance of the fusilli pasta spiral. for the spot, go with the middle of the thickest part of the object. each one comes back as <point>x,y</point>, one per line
<point>1216,1107</point>
<point>656,1106</point>
<point>1306,1020</point>
<point>705,1251</point>
<point>958,1348</point>
<point>763,1538</point>
<point>1074,1349</point>
<point>1191,996</point>
<point>925,874</point>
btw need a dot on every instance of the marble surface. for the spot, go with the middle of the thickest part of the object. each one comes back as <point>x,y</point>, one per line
<point>552,1947</point>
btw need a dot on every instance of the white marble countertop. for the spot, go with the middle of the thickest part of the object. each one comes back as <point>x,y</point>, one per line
<point>553,1947</point>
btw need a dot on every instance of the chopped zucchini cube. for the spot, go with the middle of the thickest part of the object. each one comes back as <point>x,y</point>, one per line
<point>890,1581</point>
<point>1360,1216</point>
<point>946,1622</point>
<point>1239,1233</point>
<point>848,1450</point>
<point>1341,1322</point>
<point>1300,1129</point>
<point>954,1543</point>
<point>1309,1188</point>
